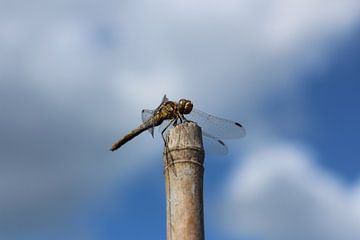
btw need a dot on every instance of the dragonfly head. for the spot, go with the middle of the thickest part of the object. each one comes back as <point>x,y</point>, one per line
<point>185,106</point>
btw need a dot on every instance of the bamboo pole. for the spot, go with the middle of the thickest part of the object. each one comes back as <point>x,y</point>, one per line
<point>183,170</point>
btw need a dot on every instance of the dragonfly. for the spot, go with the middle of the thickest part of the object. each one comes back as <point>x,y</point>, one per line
<point>170,113</point>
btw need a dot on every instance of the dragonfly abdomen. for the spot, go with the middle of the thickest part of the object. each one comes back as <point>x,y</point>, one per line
<point>143,127</point>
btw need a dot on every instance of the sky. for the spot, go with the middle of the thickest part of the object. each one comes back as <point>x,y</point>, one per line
<point>74,76</point>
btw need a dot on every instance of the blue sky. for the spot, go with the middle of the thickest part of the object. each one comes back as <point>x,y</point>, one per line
<point>74,76</point>
<point>333,105</point>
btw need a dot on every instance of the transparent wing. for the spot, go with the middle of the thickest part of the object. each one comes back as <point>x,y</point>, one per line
<point>216,127</point>
<point>146,114</point>
<point>164,99</point>
<point>214,146</point>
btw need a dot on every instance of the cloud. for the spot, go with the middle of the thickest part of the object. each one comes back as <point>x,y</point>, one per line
<point>249,49</point>
<point>279,192</point>
<point>74,76</point>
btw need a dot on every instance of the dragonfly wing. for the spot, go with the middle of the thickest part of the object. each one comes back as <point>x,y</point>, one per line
<point>217,127</point>
<point>214,146</point>
<point>146,114</point>
<point>165,99</point>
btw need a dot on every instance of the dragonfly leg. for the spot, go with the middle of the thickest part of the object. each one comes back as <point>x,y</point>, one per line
<point>152,130</point>
<point>166,146</point>
<point>175,122</point>
<point>184,118</point>
<point>167,126</point>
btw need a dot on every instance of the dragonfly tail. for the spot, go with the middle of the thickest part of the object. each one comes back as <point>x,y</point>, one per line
<point>130,136</point>
<point>143,127</point>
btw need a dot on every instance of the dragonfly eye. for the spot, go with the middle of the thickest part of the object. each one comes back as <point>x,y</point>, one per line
<point>185,106</point>
<point>188,107</point>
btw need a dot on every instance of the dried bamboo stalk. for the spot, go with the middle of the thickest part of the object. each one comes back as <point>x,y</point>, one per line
<point>183,170</point>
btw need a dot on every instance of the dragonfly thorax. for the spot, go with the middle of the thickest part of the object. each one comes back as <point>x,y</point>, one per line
<point>172,110</point>
<point>167,111</point>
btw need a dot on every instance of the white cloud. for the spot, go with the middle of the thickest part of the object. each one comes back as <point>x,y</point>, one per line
<point>73,73</point>
<point>278,192</point>
<point>247,49</point>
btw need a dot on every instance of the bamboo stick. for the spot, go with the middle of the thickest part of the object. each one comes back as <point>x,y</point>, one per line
<point>183,170</point>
